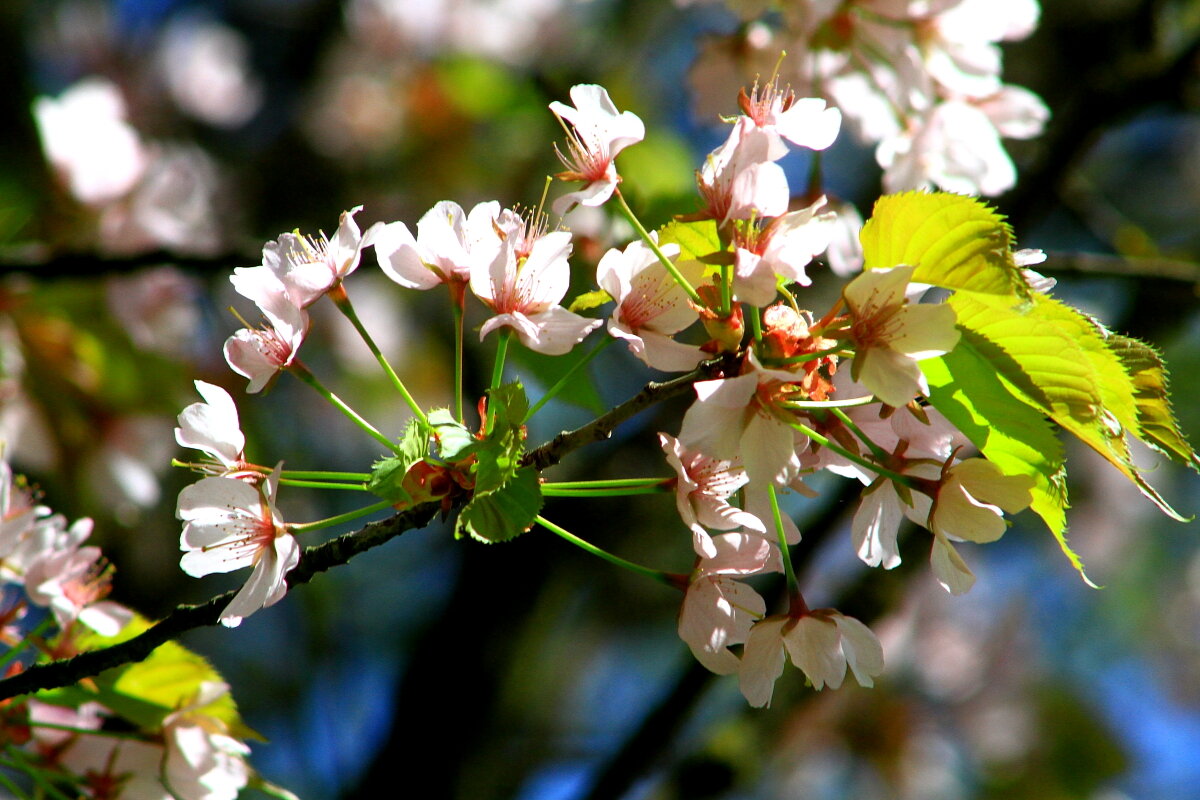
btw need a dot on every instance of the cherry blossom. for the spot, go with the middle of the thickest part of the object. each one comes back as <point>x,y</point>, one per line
<point>739,180</point>
<point>820,643</point>
<point>742,416</point>
<point>717,609</point>
<point>229,525</point>
<point>309,267</point>
<point>524,284</point>
<point>651,305</point>
<point>702,492</point>
<point>806,122</point>
<point>73,582</point>
<point>783,247</point>
<point>259,354</point>
<point>213,427</point>
<point>448,242</point>
<point>891,335</point>
<point>90,143</point>
<point>202,761</point>
<point>598,132</point>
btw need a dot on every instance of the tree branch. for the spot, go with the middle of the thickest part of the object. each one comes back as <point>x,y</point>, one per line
<point>335,552</point>
<point>602,427</point>
<point>187,617</point>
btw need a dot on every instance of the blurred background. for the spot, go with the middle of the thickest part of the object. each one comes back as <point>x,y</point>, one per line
<point>529,670</point>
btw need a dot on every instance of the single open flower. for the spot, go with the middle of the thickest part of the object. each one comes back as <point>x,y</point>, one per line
<point>891,335</point>
<point>597,133</point>
<point>524,284</point>
<point>651,306</point>
<point>229,524</point>
<point>213,427</point>
<point>309,267</point>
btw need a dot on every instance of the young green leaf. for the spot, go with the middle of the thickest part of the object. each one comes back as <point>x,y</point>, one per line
<point>1157,426</point>
<point>1057,360</point>
<point>504,513</point>
<point>955,242</point>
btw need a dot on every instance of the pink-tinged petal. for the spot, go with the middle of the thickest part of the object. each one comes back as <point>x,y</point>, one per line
<point>815,646</point>
<point>401,258</point>
<point>808,123</point>
<point>762,661</point>
<point>876,524</point>
<point>754,279</point>
<point>212,426</point>
<point>864,654</point>
<point>658,350</point>
<point>949,568</point>
<point>892,377</point>
<point>210,498</point>
<point>714,422</point>
<point>106,617</point>
<point>739,554</point>
<point>249,356</point>
<point>545,276</point>
<point>595,193</point>
<point>759,190</point>
<point>556,331</point>
<point>267,584</point>
<point>717,612</point>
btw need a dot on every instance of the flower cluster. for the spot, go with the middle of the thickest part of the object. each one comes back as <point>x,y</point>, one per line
<point>188,752</point>
<point>779,408</point>
<point>919,80</point>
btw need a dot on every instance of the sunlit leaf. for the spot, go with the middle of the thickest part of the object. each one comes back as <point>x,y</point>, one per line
<point>1156,422</point>
<point>1057,360</point>
<point>1017,438</point>
<point>955,242</point>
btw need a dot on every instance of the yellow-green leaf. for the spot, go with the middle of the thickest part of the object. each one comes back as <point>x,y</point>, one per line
<point>169,678</point>
<point>1157,426</point>
<point>965,386</point>
<point>698,241</point>
<point>1057,360</point>
<point>954,241</point>
<point>589,300</point>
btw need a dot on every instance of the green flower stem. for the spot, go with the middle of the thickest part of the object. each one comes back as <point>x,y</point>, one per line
<point>498,373</point>
<point>653,574</point>
<point>501,355</point>
<point>614,483</point>
<point>21,761</point>
<point>904,480</point>
<point>627,212</point>
<point>755,324</point>
<point>777,517</point>
<point>353,487</point>
<point>342,301</point>
<point>318,475</point>
<point>875,449</point>
<point>28,639</point>
<point>550,490</point>
<point>304,527</point>
<point>726,289</point>
<point>302,372</point>
<point>566,378</point>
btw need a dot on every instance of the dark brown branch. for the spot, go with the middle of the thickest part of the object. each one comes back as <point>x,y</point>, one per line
<point>602,427</point>
<point>185,618</point>
<point>335,552</point>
